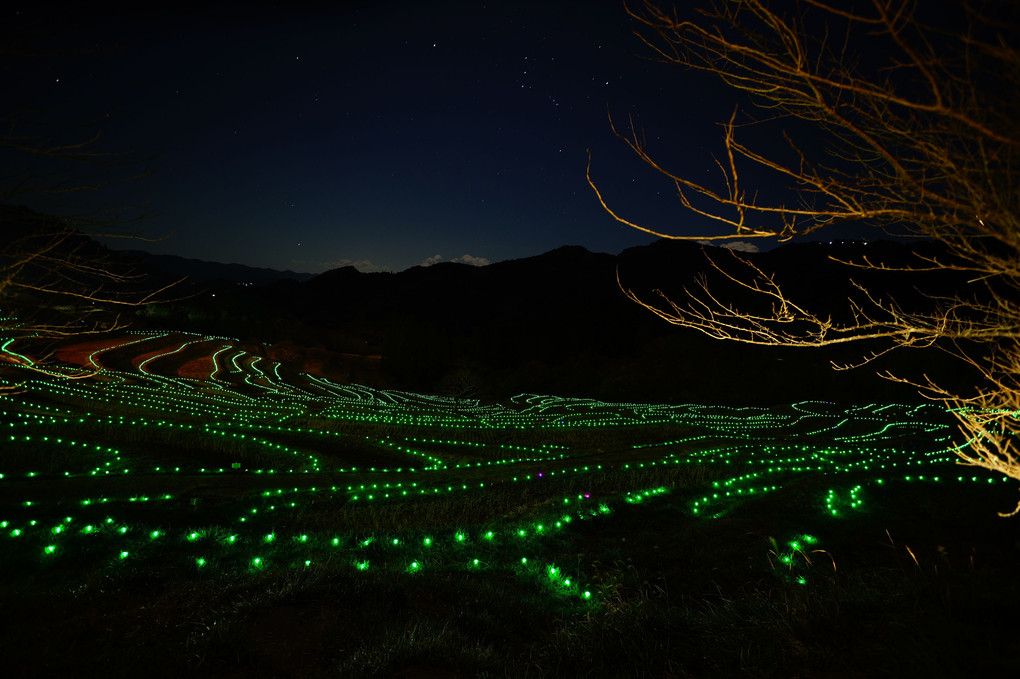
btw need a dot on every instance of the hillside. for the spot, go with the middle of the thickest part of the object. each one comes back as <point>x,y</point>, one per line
<point>559,323</point>
<point>233,515</point>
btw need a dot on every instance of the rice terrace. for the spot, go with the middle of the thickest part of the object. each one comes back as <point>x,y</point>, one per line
<point>197,509</point>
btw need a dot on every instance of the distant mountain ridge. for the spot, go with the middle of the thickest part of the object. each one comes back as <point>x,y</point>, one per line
<point>559,323</point>
<point>201,271</point>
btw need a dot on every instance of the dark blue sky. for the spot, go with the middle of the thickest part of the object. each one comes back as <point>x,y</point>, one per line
<point>377,134</point>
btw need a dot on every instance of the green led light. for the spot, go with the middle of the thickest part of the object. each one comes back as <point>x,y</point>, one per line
<point>241,413</point>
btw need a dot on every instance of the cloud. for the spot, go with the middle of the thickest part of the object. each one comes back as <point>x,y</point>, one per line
<point>429,261</point>
<point>362,265</point>
<point>741,246</point>
<point>473,261</point>
<point>738,245</point>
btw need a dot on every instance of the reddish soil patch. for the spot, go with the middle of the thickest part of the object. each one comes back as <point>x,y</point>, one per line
<point>197,368</point>
<point>79,353</point>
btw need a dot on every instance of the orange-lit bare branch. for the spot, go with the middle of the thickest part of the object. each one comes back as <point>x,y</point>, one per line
<point>924,145</point>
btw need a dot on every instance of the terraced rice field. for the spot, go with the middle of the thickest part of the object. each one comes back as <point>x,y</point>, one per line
<point>189,459</point>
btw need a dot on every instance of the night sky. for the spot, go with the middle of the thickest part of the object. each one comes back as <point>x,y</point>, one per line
<point>383,135</point>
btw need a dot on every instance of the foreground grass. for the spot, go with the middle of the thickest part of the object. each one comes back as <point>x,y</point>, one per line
<point>922,583</point>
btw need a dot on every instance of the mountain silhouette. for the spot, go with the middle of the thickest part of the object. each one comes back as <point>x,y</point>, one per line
<point>201,271</point>
<point>559,323</point>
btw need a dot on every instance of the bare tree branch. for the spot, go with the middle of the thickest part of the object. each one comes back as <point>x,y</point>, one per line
<point>921,142</point>
<point>55,281</point>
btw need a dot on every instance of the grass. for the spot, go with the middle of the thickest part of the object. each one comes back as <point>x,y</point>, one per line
<point>379,534</point>
<point>704,599</point>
